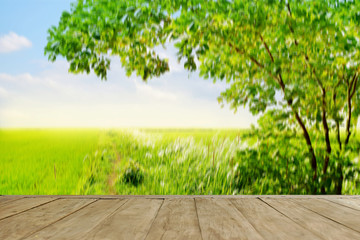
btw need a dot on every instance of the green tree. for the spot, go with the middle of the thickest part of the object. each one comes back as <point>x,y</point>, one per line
<point>295,61</point>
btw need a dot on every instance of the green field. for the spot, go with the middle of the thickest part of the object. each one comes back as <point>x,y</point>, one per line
<point>44,161</point>
<point>68,161</point>
<point>141,161</point>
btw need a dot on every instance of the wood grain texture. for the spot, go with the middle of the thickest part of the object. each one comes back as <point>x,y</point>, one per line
<point>338,213</point>
<point>319,225</point>
<point>188,196</point>
<point>177,219</point>
<point>270,223</point>
<point>33,220</point>
<point>10,208</point>
<point>351,203</point>
<point>4,199</point>
<point>81,222</point>
<point>131,221</point>
<point>180,217</point>
<point>219,219</point>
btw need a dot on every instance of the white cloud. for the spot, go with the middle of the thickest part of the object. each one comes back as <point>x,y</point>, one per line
<point>12,114</point>
<point>3,92</point>
<point>54,98</point>
<point>12,42</point>
<point>26,77</point>
<point>29,81</point>
<point>144,88</point>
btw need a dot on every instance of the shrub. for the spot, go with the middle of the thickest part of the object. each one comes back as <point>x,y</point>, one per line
<point>133,173</point>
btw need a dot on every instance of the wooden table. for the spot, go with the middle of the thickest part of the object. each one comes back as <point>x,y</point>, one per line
<point>180,217</point>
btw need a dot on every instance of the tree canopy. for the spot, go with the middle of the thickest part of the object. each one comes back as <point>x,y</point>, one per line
<point>296,61</point>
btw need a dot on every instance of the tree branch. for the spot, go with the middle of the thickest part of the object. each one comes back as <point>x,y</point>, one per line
<point>353,81</point>
<point>239,51</point>
<point>324,122</point>
<point>336,120</point>
<point>267,48</point>
<point>324,117</point>
<point>256,62</point>
<point>354,86</point>
<point>338,134</point>
<point>327,137</point>
<point>291,29</point>
<point>297,116</point>
<point>290,104</point>
<point>350,93</point>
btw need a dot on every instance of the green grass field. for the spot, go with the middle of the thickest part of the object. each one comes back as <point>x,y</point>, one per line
<point>44,161</point>
<point>68,161</point>
<point>138,161</point>
<point>168,161</point>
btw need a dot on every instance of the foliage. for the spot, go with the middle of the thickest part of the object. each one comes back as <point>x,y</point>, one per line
<point>179,161</point>
<point>277,165</point>
<point>133,173</point>
<point>95,170</point>
<point>296,61</point>
<point>219,162</point>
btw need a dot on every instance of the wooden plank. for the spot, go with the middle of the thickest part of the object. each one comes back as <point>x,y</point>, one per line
<point>131,221</point>
<point>317,224</point>
<point>33,220</point>
<point>15,207</point>
<point>219,219</point>
<point>188,196</point>
<point>4,199</point>
<point>81,222</point>
<point>240,217</point>
<point>344,215</point>
<point>351,203</point>
<point>177,219</point>
<point>270,223</point>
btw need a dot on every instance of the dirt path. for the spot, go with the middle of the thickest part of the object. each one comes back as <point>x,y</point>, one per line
<point>114,173</point>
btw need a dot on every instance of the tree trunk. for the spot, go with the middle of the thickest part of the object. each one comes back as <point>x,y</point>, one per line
<point>311,149</point>
<point>305,134</point>
<point>327,140</point>
<point>338,184</point>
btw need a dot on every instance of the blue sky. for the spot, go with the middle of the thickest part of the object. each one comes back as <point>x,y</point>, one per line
<point>37,93</point>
